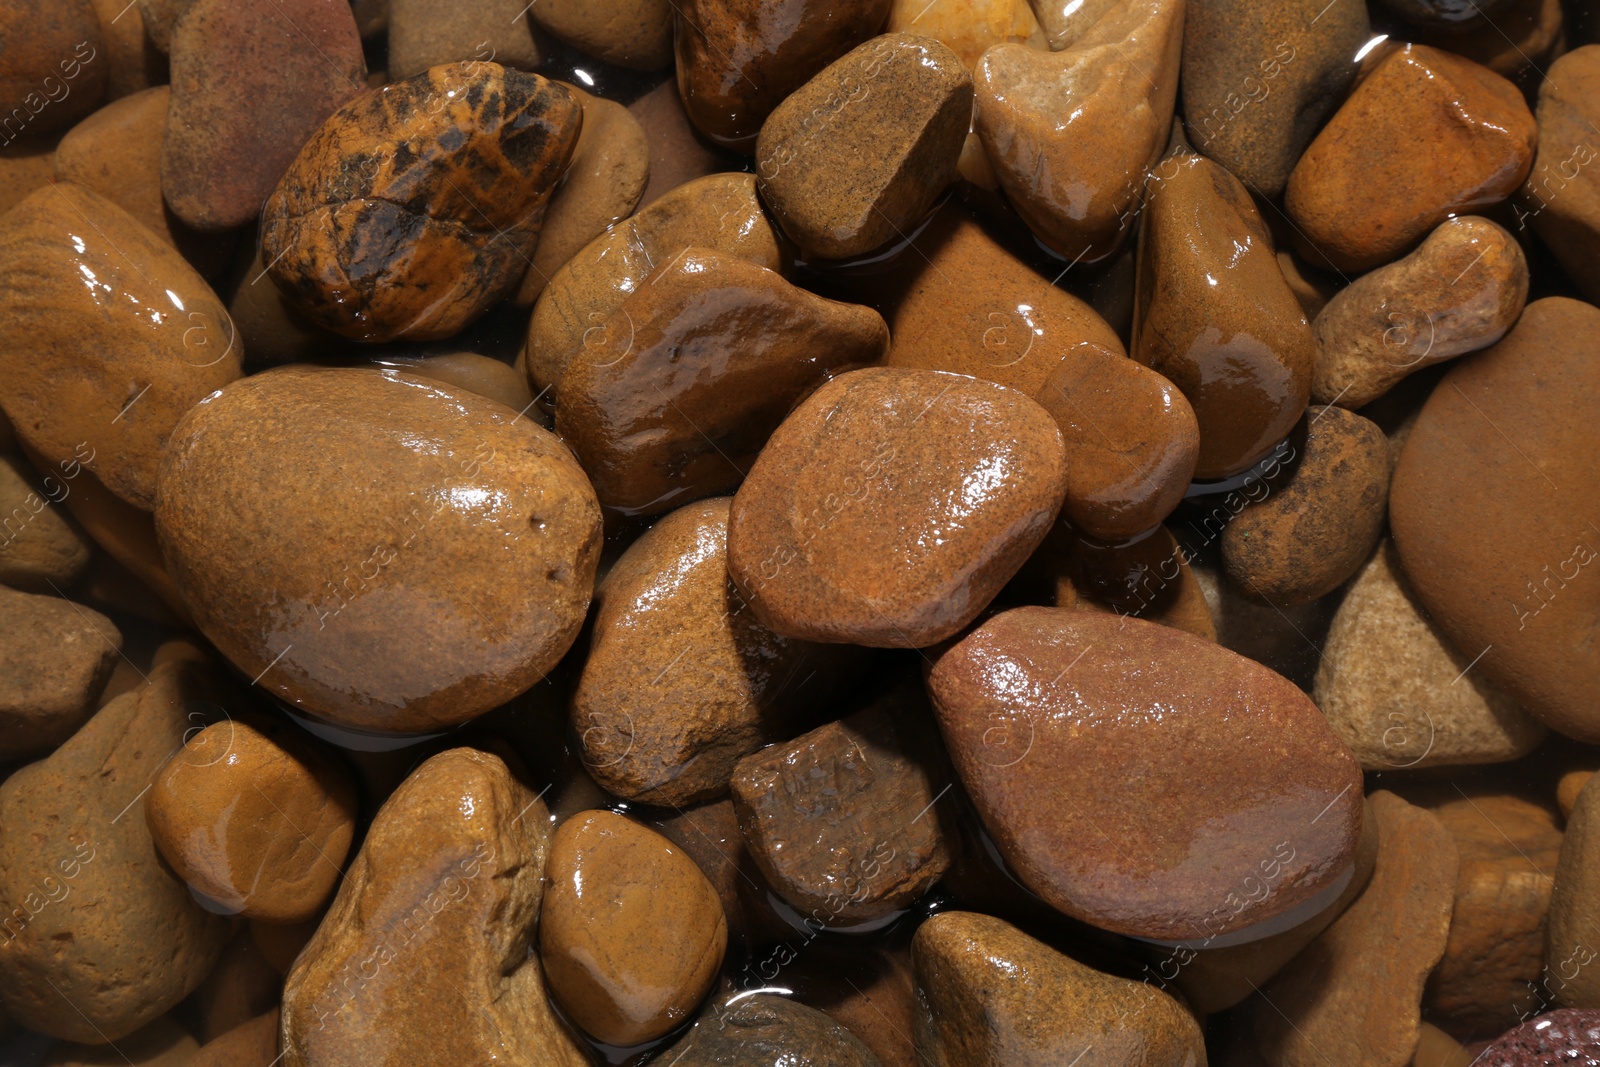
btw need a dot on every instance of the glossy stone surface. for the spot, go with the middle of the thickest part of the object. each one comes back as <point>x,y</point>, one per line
<point>1561,198</point>
<point>968,27</point>
<point>1567,1036</point>
<point>632,934</point>
<point>416,207</point>
<point>55,659</point>
<point>1215,834</point>
<point>892,506</point>
<point>454,572</point>
<point>767,1031</point>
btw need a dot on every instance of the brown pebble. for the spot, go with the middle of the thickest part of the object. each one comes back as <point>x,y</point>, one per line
<point>425,34</point>
<point>1568,788</point>
<point>892,506</point>
<point>40,550</point>
<point>163,1043</point>
<point>765,1029</point>
<point>1148,578</point>
<point>630,33</point>
<point>968,27</point>
<point>1561,198</point>
<point>26,164</point>
<point>160,17</point>
<point>251,1044</point>
<point>1570,977</point>
<point>869,991</point>
<point>134,64</point>
<point>55,658</point>
<point>677,154</point>
<point>709,834</point>
<point>467,370</point>
<point>54,70</point>
<point>239,988</point>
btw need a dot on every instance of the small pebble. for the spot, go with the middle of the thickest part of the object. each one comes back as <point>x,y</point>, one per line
<point>629,33</point>
<point>1561,198</point>
<point>55,658</point>
<point>968,27</point>
<point>425,34</point>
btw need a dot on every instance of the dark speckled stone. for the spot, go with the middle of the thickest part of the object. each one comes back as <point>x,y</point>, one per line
<point>1558,1039</point>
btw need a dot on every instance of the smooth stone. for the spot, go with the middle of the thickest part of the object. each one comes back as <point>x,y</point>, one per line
<point>39,548</point>
<point>857,156</point>
<point>251,1044</point>
<point>1435,1048</point>
<point>163,1043</point>
<point>1561,197</point>
<point>991,996</point>
<point>256,817</point>
<point>1354,995</point>
<point>632,934</point>
<point>1567,1036</point>
<point>451,582</point>
<point>426,954</point>
<point>89,896</point>
<point>1569,977</point>
<point>133,61</point>
<point>1362,195</point>
<point>1072,133</point>
<point>1312,287</point>
<point>1569,788</point>
<point>893,505</point>
<point>160,18</point>
<point>1399,695</point>
<point>468,370</point>
<point>1260,76</point>
<point>681,681</point>
<point>609,172</point>
<point>104,370</point>
<point>1443,14</point>
<point>1319,525</point>
<point>720,212</point>
<point>1039,707</point>
<point>425,34</point>
<point>1415,312</point>
<point>1149,578</point>
<point>416,208</point>
<point>271,328</point>
<point>1491,970</point>
<point>1496,532</point>
<point>242,985</point>
<point>1216,317</point>
<point>250,83</point>
<point>841,820</point>
<point>767,1031</point>
<point>708,833</point>
<point>55,658</point>
<point>968,27</point>
<point>677,153</point>
<point>739,59</point>
<point>869,990</point>
<point>676,393</point>
<point>636,34</point>
<point>26,164</point>
<point>54,70</point>
<point>973,308</point>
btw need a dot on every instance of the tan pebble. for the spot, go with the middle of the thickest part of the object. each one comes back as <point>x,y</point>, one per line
<point>630,33</point>
<point>55,657</point>
<point>39,547</point>
<point>968,27</point>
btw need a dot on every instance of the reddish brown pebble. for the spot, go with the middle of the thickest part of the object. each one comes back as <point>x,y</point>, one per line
<point>1561,198</point>
<point>54,70</point>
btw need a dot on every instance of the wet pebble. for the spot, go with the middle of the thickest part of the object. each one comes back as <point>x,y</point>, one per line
<point>424,34</point>
<point>1561,198</point>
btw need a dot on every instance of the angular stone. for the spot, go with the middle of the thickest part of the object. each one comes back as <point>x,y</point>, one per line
<point>1215,315</point>
<point>1561,197</point>
<point>674,395</point>
<point>1396,691</point>
<point>1362,195</point>
<point>681,681</point>
<point>991,996</point>
<point>250,83</point>
<point>1355,994</point>
<point>425,956</point>
<point>1244,809</point>
<point>1491,510</point>
<point>892,506</point>
<point>968,27</point>
<point>767,1031</point>
<point>103,370</point>
<point>415,208</point>
<point>55,658</point>
<point>1260,76</point>
<point>636,33</point>
<point>452,581</point>
<point>38,547</point>
<point>1072,133</point>
<point>89,898</point>
<point>54,70</point>
<point>739,59</point>
<point>632,934</point>
<point>424,34</point>
<point>856,157</point>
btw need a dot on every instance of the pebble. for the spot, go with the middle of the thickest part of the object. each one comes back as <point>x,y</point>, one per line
<point>1362,195</point>
<point>720,212</point>
<point>370,613</point>
<point>444,896</point>
<point>242,985</point>
<point>26,164</point>
<point>160,18</point>
<point>249,85</point>
<point>1040,706</point>
<point>991,996</point>
<point>739,59</point>
<point>256,818</point>
<point>767,1031</point>
<point>1569,788</point>
<point>708,833</point>
<point>1216,316</point>
<point>1570,979</point>
<point>972,307</point>
<point>425,34</point>
<point>1561,198</point>
<point>968,27</point>
<point>251,1044</point>
<point>1556,1037</point>
<point>841,820</point>
<point>1260,76</point>
<point>1492,530</point>
<point>467,370</point>
<point>1148,578</point>
<point>1435,1048</point>
<point>681,681</point>
<point>1320,524</point>
<point>271,328</point>
<point>1492,963</point>
<point>636,34</point>
<point>674,395</point>
<point>55,658</point>
<point>677,154</point>
<point>1399,694</point>
<point>39,548</point>
<point>609,172</point>
<point>893,505</point>
<point>1415,312</point>
<point>161,1044</point>
<point>1527,34</point>
<point>869,991</point>
<point>632,934</point>
<point>1071,133</point>
<point>1355,994</point>
<point>88,897</point>
<point>54,70</point>
<point>415,208</point>
<point>133,62</point>
<point>856,157</point>
<point>99,374</point>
